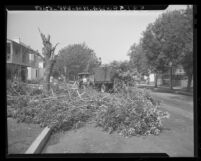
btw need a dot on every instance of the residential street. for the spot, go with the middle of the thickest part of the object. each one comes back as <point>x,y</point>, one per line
<point>177,138</point>
<point>100,82</point>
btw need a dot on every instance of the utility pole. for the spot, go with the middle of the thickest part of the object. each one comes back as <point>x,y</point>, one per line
<point>170,64</point>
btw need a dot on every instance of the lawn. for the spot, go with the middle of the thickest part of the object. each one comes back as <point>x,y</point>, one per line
<point>20,136</point>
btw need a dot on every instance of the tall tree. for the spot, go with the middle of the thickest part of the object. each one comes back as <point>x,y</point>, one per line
<point>187,58</point>
<point>49,58</point>
<point>167,39</point>
<point>152,49</point>
<point>138,59</point>
<point>76,58</point>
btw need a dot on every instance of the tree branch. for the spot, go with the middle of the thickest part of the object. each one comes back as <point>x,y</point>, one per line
<point>38,54</point>
<point>54,47</point>
<point>42,36</point>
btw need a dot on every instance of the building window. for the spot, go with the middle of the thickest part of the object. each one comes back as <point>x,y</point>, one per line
<point>17,48</point>
<point>36,73</point>
<point>24,57</point>
<point>31,57</point>
<point>8,51</point>
<point>35,57</point>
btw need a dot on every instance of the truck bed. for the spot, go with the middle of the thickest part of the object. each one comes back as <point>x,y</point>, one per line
<point>103,74</point>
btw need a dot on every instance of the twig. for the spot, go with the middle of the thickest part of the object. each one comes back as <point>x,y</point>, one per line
<point>47,98</point>
<point>54,97</point>
<point>69,95</point>
<point>80,95</point>
<point>52,92</point>
<point>15,91</point>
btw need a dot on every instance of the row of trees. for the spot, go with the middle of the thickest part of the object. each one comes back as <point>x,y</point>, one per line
<point>167,41</point>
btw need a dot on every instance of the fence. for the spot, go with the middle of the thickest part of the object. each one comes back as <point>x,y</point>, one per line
<point>179,80</point>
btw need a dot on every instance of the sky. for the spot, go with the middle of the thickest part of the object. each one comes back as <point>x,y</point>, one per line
<point>109,33</point>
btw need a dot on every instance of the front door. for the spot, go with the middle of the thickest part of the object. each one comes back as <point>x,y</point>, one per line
<point>23,73</point>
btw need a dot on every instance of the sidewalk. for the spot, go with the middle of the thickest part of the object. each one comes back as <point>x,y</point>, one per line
<point>177,90</point>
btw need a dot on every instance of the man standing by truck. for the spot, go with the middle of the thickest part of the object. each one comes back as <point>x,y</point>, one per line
<point>84,80</point>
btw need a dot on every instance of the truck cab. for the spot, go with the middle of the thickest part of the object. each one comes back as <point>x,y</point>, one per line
<point>84,79</point>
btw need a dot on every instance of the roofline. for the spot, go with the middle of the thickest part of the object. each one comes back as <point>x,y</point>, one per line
<point>23,44</point>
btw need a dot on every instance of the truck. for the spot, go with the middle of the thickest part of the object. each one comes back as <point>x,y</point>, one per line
<point>104,78</point>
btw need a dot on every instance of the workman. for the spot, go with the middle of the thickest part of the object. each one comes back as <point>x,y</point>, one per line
<point>84,80</point>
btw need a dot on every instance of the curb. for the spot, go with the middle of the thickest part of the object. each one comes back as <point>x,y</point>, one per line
<point>183,93</point>
<point>38,144</point>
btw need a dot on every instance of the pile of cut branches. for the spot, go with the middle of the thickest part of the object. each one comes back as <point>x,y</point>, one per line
<point>129,112</point>
<point>62,108</point>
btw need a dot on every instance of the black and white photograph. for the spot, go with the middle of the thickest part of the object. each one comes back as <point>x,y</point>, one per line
<point>101,81</point>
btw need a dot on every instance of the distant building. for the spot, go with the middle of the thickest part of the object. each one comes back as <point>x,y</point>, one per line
<point>179,78</point>
<point>22,62</point>
<point>151,77</point>
<point>36,71</point>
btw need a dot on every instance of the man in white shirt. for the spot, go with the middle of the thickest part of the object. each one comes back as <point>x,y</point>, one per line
<point>84,80</point>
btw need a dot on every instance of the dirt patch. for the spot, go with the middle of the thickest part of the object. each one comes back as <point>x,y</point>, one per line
<point>20,136</point>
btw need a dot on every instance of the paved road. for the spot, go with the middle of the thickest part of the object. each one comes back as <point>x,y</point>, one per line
<point>176,139</point>
<point>176,103</point>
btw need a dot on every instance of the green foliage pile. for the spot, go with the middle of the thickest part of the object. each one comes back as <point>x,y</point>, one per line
<point>129,112</point>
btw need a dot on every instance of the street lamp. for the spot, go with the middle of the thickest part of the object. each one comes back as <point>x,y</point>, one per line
<point>170,64</point>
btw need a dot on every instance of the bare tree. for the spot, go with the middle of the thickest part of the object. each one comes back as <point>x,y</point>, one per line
<point>49,58</point>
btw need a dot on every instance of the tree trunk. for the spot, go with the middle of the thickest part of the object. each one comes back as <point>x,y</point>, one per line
<point>148,81</point>
<point>65,73</point>
<point>47,80</point>
<point>171,78</point>
<point>190,76</point>
<point>47,74</point>
<point>156,80</point>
